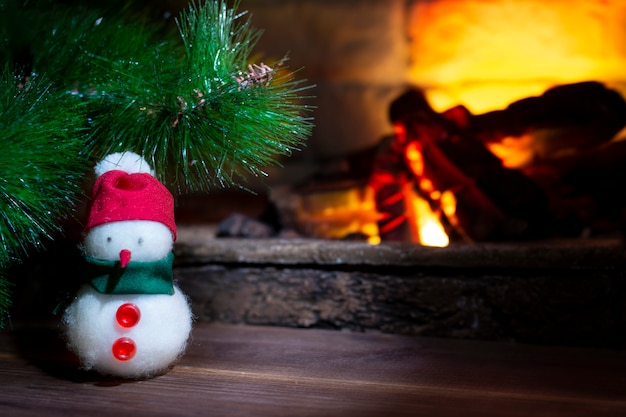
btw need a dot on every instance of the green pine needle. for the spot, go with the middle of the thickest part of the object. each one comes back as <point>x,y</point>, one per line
<point>40,165</point>
<point>190,100</point>
<point>185,111</point>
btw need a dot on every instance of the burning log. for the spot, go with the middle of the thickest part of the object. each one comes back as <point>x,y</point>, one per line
<point>492,202</point>
<point>451,160</point>
<point>565,120</point>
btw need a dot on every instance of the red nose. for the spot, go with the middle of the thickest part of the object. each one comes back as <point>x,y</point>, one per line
<point>124,257</point>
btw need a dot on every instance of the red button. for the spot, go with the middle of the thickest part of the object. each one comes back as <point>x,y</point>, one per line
<point>128,315</point>
<point>124,348</point>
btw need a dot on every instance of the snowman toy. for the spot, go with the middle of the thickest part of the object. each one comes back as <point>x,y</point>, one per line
<point>129,319</point>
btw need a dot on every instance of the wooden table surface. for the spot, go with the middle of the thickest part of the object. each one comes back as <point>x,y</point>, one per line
<point>231,370</point>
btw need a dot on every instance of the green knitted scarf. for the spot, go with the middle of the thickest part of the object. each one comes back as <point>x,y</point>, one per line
<point>108,277</point>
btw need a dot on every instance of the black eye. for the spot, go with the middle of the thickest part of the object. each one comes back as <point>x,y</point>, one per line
<point>140,241</point>
<point>109,239</point>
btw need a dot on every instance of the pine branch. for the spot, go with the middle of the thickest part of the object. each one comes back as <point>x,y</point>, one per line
<point>40,162</point>
<point>193,121</point>
<point>185,100</point>
<point>40,165</point>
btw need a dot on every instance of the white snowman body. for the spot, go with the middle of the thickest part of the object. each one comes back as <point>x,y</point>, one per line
<point>133,335</point>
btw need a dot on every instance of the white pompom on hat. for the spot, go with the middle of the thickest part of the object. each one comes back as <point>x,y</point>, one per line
<point>128,162</point>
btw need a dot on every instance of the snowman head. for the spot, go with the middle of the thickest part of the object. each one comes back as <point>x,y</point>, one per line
<point>131,214</point>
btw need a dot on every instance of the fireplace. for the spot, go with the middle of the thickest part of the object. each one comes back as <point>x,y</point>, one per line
<point>482,56</point>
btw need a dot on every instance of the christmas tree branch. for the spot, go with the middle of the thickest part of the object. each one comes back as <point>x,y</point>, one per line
<point>211,120</point>
<point>41,138</point>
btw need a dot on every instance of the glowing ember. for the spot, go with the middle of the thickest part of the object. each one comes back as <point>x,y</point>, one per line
<point>337,213</point>
<point>414,159</point>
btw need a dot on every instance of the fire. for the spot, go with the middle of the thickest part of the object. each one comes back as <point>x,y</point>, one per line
<point>414,159</point>
<point>483,72</point>
<point>430,231</point>
<point>425,223</point>
<point>514,152</point>
<point>337,213</point>
<point>486,54</point>
<point>426,227</point>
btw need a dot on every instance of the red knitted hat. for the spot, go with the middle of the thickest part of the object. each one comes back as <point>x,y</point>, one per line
<point>119,196</point>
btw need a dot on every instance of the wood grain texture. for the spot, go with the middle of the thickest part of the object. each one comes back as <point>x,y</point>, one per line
<point>232,370</point>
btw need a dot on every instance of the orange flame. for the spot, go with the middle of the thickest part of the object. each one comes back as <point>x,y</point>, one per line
<point>427,227</point>
<point>430,231</point>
